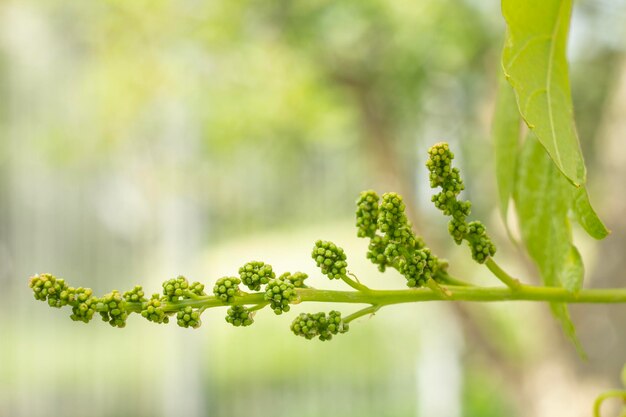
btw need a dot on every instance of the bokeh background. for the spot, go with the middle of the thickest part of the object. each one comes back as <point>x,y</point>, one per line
<point>140,140</point>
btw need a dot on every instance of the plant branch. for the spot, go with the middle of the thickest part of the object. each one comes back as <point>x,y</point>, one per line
<point>354,284</point>
<point>389,297</point>
<point>446,278</point>
<point>609,394</point>
<point>368,310</point>
<point>509,281</point>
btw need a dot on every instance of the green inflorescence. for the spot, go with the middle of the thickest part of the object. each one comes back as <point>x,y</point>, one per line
<point>280,293</point>
<point>112,309</point>
<point>367,214</point>
<point>83,304</point>
<point>188,317</point>
<point>330,258</point>
<point>136,295</point>
<point>152,310</point>
<point>255,273</point>
<point>226,289</point>
<point>48,288</point>
<point>325,326</point>
<point>393,242</point>
<point>444,176</point>
<point>179,289</point>
<point>297,278</point>
<point>239,316</point>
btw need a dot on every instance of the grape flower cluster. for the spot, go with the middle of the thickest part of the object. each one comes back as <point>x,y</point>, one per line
<point>392,244</point>
<point>186,300</point>
<point>319,325</point>
<point>330,258</point>
<point>392,240</point>
<point>448,179</point>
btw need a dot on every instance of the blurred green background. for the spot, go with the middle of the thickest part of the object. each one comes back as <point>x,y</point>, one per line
<point>140,140</point>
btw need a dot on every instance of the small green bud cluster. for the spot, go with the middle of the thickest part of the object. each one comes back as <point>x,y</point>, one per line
<point>367,214</point>
<point>444,176</point>
<point>239,316</point>
<point>179,289</point>
<point>136,295</point>
<point>112,309</point>
<point>297,278</point>
<point>376,252</point>
<point>393,242</point>
<point>188,317</point>
<point>83,304</point>
<point>419,268</point>
<point>481,245</point>
<point>57,294</point>
<point>330,258</point>
<point>255,273</point>
<point>280,293</point>
<point>310,325</point>
<point>227,288</point>
<point>48,288</point>
<point>153,310</point>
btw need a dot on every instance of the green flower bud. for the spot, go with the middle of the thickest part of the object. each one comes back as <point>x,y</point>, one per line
<point>152,310</point>
<point>418,268</point>
<point>136,295</point>
<point>226,289</point>
<point>47,287</point>
<point>112,308</point>
<point>175,289</point>
<point>84,304</point>
<point>480,243</point>
<point>458,230</point>
<point>255,273</point>
<point>319,325</point>
<point>197,289</point>
<point>391,216</point>
<point>376,252</point>
<point>239,316</point>
<point>443,175</point>
<point>367,214</point>
<point>188,317</point>
<point>441,172</point>
<point>330,258</point>
<point>280,293</point>
<point>297,278</point>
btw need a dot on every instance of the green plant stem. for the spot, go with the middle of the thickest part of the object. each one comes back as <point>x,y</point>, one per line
<point>389,297</point>
<point>363,312</point>
<point>509,281</point>
<point>257,307</point>
<point>445,278</point>
<point>609,394</point>
<point>354,284</point>
<point>436,288</point>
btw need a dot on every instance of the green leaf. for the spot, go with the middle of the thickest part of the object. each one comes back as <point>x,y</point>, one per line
<point>543,197</point>
<point>542,201</point>
<point>573,271</point>
<point>535,64</point>
<point>560,311</point>
<point>586,216</point>
<point>505,131</point>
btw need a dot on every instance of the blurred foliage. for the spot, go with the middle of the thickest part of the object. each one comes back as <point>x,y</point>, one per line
<point>315,88</point>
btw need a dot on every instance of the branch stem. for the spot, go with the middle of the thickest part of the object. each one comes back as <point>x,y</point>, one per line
<point>609,394</point>
<point>389,297</point>
<point>363,312</point>
<point>354,284</point>
<point>509,281</point>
